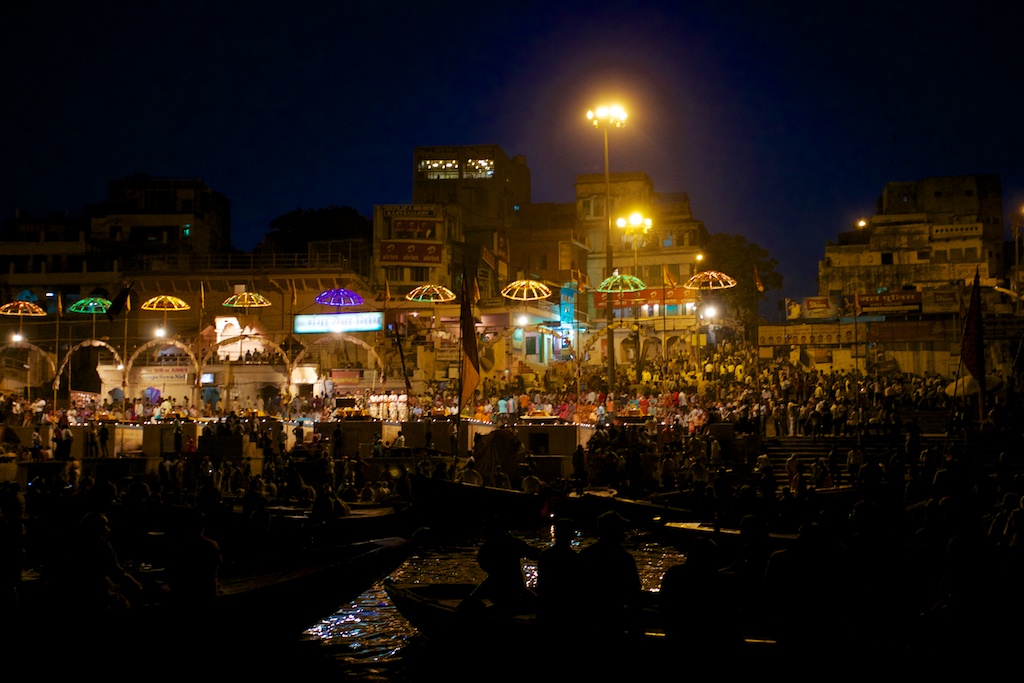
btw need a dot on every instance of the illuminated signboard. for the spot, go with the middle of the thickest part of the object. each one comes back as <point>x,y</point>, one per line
<point>370,321</point>
<point>398,251</point>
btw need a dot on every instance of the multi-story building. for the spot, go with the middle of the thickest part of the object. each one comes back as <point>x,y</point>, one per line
<point>930,234</point>
<point>663,258</point>
<point>893,290</point>
<point>170,237</point>
<point>470,207</point>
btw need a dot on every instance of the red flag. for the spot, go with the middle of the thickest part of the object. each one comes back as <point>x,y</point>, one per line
<point>972,348</point>
<point>667,278</point>
<point>757,280</point>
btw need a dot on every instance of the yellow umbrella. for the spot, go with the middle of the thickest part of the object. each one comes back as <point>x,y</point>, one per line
<point>247,300</point>
<point>526,290</point>
<point>431,293</point>
<point>21,309</point>
<point>710,279</point>
<point>165,302</point>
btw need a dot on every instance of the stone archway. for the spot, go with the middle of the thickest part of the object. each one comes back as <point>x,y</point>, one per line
<point>88,342</point>
<point>32,349</point>
<point>342,336</point>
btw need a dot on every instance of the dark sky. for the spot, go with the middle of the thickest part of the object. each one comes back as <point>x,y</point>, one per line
<point>783,121</point>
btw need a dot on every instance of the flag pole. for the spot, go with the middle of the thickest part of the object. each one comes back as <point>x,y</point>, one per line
<point>664,329</point>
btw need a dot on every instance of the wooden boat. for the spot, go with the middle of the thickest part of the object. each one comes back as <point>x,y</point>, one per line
<point>682,533</point>
<point>434,610</point>
<point>266,604</point>
<point>365,520</point>
<point>443,502</point>
<point>586,507</point>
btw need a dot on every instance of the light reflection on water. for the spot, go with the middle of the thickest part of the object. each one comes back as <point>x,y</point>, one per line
<point>369,640</point>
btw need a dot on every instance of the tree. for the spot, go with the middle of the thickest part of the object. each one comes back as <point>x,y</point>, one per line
<point>745,262</point>
<point>292,232</point>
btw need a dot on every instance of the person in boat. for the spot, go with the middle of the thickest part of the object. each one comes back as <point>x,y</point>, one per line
<point>611,581</point>
<point>500,479</point>
<point>697,603</point>
<point>579,469</point>
<point>94,578</point>
<point>558,578</point>
<point>470,474</point>
<point>500,556</point>
<point>531,482</point>
<point>196,563</point>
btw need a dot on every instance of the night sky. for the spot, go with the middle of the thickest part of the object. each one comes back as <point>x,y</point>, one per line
<point>783,121</point>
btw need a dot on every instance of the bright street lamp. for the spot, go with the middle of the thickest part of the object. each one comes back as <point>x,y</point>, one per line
<point>605,117</point>
<point>636,227</point>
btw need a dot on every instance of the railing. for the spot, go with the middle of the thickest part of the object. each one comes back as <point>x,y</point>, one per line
<point>262,262</point>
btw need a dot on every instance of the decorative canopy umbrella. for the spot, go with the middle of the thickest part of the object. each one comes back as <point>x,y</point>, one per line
<point>431,294</point>
<point>93,305</point>
<point>621,284</point>
<point>706,281</point>
<point>165,302</point>
<point>21,309</point>
<point>526,290</point>
<point>339,297</point>
<point>710,279</point>
<point>247,300</point>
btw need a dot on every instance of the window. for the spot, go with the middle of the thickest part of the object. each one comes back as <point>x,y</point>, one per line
<point>592,207</point>
<point>419,274</point>
<point>480,168</point>
<point>940,256</point>
<point>956,255</point>
<point>923,254</point>
<point>971,254</point>
<point>887,258</point>
<point>439,169</point>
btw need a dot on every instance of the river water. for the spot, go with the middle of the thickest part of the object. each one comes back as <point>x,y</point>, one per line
<point>368,640</point>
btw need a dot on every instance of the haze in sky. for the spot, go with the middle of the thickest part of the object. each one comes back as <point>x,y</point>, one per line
<point>782,121</point>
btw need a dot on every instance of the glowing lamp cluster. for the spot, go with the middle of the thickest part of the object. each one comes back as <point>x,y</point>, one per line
<point>614,116</point>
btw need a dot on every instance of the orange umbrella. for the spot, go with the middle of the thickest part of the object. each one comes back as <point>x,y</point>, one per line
<point>431,294</point>
<point>21,309</point>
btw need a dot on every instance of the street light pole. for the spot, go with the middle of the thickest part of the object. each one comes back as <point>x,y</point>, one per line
<point>605,117</point>
<point>636,226</point>
<point>609,266</point>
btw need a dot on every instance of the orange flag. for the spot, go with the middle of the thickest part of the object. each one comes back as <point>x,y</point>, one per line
<point>667,278</point>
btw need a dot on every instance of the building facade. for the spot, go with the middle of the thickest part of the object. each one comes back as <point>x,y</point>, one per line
<point>893,290</point>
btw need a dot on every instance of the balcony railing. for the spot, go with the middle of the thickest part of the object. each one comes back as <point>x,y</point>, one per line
<point>335,262</point>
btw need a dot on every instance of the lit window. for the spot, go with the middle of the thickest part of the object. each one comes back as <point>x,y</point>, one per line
<point>480,168</point>
<point>439,169</point>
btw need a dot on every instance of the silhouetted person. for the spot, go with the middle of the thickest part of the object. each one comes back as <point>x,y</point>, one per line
<point>698,603</point>
<point>559,591</point>
<point>195,564</point>
<point>501,556</point>
<point>611,582</point>
<point>93,577</point>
